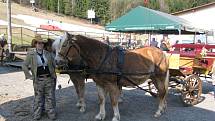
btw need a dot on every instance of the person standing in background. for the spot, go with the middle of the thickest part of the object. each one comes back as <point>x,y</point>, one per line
<point>154,43</point>
<point>213,79</point>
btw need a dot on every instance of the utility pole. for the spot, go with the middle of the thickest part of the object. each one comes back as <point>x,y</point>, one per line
<point>58,7</point>
<point>9,30</point>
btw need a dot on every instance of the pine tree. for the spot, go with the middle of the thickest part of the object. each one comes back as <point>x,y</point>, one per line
<point>62,6</point>
<point>44,4</point>
<point>53,5</point>
<point>67,7</point>
<point>107,10</point>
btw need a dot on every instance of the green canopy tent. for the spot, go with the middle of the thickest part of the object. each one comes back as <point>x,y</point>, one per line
<point>142,19</point>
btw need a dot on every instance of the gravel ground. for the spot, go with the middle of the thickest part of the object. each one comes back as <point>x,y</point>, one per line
<point>16,96</point>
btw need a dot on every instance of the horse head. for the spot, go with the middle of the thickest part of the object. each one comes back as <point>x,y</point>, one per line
<point>79,47</point>
<point>68,50</point>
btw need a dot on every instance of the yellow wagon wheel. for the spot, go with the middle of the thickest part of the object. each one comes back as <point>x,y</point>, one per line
<point>192,90</point>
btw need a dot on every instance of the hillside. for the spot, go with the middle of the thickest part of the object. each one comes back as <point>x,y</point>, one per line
<point>18,9</point>
<point>108,10</point>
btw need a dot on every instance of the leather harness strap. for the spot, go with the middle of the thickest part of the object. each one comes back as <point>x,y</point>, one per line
<point>108,53</point>
<point>120,74</point>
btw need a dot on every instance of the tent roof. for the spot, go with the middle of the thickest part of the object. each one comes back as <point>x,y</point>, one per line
<point>142,19</point>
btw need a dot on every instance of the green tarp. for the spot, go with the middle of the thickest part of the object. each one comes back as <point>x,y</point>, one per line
<point>142,19</point>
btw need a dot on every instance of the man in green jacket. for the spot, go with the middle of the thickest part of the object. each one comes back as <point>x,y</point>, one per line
<point>42,68</point>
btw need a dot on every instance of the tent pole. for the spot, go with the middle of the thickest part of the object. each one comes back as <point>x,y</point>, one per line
<point>194,40</point>
<point>120,38</point>
<point>150,37</point>
<point>179,33</point>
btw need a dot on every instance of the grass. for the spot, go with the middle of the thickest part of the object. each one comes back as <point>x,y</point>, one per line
<point>19,35</point>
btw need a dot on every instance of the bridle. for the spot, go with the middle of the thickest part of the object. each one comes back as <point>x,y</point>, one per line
<point>72,45</point>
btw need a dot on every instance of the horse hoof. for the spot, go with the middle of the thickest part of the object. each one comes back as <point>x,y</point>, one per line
<point>115,119</point>
<point>157,115</point>
<point>78,104</point>
<point>100,117</point>
<point>82,109</point>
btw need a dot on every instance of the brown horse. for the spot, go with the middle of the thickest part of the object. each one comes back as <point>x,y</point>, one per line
<point>139,65</point>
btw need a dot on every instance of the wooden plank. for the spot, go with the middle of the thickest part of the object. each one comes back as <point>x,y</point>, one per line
<point>174,61</point>
<point>20,53</point>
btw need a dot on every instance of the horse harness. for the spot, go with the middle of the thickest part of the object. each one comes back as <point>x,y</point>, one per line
<point>86,71</point>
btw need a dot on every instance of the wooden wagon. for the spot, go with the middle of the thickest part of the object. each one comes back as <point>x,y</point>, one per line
<point>187,63</point>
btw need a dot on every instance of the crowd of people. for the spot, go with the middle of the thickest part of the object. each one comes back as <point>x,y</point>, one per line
<point>164,45</point>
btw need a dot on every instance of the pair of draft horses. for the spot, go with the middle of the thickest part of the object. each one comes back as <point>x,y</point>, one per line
<point>138,66</point>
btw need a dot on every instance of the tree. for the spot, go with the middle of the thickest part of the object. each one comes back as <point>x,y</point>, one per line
<point>53,5</point>
<point>107,10</point>
<point>102,10</point>
<point>67,8</point>
<point>62,6</point>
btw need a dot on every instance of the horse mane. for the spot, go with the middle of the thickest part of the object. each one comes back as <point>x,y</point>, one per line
<point>87,42</point>
<point>90,39</point>
<point>92,50</point>
<point>48,44</point>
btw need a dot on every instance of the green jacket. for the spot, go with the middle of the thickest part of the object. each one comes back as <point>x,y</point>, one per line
<point>31,61</point>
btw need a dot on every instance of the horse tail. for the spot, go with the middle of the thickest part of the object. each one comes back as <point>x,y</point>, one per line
<point>166,82</point>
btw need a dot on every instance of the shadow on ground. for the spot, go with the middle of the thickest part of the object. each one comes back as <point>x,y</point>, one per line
<point>7,69</point>
<point>136,107</point>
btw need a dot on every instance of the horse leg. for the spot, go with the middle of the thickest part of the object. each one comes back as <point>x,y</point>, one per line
<point>120,100</point>
<point>80,89</point>
<point>102,94</point>
<point>114,96</point>
<point>162,94</point>
<point>82,104</point>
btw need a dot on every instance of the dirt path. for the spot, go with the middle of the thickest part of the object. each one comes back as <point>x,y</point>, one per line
<point>16,99</point>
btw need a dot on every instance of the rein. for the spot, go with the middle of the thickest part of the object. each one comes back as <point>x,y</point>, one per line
<point>88,72</point>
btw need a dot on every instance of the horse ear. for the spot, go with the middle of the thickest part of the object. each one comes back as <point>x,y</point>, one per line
<point>74,38</point>
<point>66,34</point>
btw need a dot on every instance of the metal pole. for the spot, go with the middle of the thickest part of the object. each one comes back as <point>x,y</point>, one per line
<point>21,37</point>
<point>179,33</point>
<point>58,7</point>
<point>9,39</point>
<point>194,40</point>
<point>48,33</point>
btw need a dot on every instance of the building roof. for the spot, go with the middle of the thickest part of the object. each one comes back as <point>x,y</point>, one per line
<point>195,8</point>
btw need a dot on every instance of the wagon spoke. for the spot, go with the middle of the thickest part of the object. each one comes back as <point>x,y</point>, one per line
<point>192,90</point>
